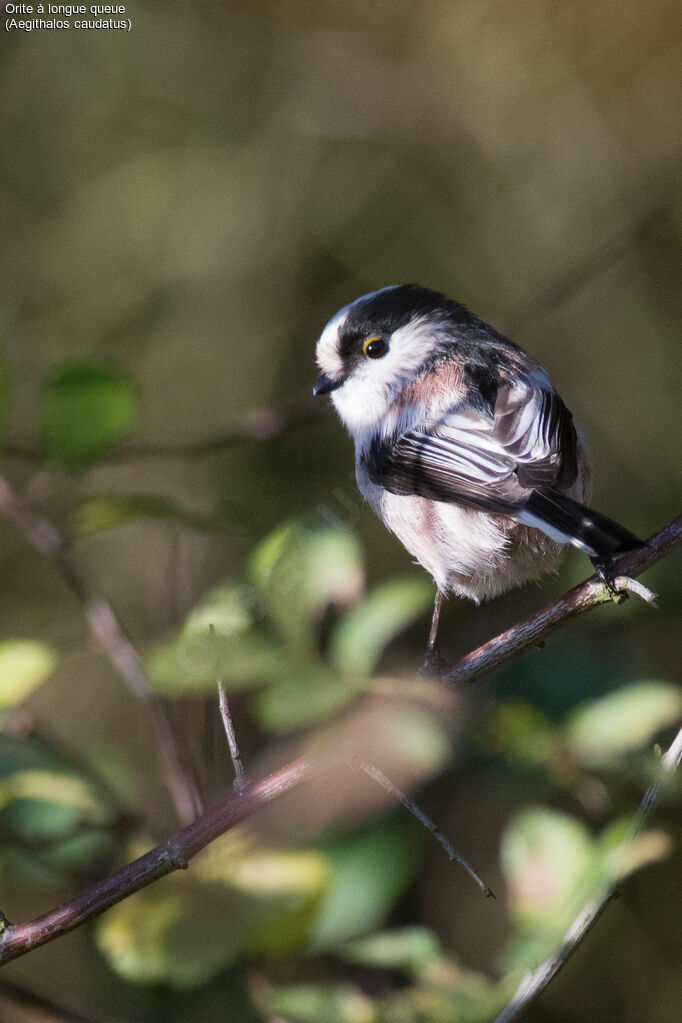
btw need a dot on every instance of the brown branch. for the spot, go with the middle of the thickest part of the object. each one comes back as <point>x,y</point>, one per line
<point>107,631</point>
<point>174,854</point>
<point>373,772</point>
<point>581,598</point>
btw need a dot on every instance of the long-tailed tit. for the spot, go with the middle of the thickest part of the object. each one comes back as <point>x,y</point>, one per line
<point>462,446</point>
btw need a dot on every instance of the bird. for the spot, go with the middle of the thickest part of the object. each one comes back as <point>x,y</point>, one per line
<point>463,447</point>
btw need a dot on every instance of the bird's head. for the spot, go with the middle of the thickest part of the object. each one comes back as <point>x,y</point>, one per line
<point>381,344</point>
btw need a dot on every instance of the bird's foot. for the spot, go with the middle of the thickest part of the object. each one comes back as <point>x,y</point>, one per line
<point>434,665</point>
<point>604,571</point>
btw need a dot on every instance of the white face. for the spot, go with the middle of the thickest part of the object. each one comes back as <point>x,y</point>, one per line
<point>363,400</point>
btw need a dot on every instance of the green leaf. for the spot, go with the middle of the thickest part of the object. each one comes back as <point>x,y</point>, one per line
<point>553,866</point>
<point>193,662</point>
<point>51,819</point>
<point>547,859</point>
<point>412,736</point>
<point>229,608</point>
<point>300,569</point>
<point>179,932</point>
<point>602,732</point>
<point>283,888</point>
<point>111,511</point>
<point>314,1003</point>
<point>622,854</point>
<point>24,665</point>
<point>238,899</point>
<point>370,868</point>
<point>410,949</point>
<point>359,639</point>
<point>454,995</point>
<point>303,697</point>
<point>87,407</point>
<point>217,641</point>
<point>522,733</point>
<point>62,791</point>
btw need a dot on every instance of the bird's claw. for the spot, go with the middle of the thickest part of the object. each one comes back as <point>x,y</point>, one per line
<point>604,572</point>
<point>434,663</point>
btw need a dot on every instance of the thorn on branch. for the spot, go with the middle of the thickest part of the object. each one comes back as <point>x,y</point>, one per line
<point>176,856</point>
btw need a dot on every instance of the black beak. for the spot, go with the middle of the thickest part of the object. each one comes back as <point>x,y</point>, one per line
<point>325,384</point>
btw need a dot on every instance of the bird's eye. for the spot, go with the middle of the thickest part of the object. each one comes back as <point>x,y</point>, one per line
<point>374,347</point>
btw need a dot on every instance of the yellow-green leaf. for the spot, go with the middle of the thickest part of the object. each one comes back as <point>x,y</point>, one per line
<point>303,697</point>
<point>359,639</point>
<point>239,898</point>
<point>314,1003</point>
<point>66,790</point>
<point>601,732</point>
<point>300,569</point>
<point>546,857</point>
<point>24,665</point>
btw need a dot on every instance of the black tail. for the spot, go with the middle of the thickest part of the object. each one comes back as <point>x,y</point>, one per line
<point>602,538</point>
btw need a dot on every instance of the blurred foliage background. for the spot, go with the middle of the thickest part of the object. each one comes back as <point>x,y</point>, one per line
<point>183,208</point>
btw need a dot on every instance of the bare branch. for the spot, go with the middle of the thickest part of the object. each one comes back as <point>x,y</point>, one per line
<point>358,764</point>
<point>581,598</point>
<point>107,630</point>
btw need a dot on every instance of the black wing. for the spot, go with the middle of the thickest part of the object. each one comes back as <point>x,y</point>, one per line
<point>516,461</point>
<point>492,462</point>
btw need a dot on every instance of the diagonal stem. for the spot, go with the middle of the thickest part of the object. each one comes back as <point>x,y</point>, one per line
<point>174,854</point>
<point>107,630</point>
<point>581,598</point>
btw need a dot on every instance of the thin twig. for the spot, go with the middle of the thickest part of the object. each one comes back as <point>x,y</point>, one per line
<point>107,630</point>
<point>230,733</point>
<point>533,984</point>
<point>358,764</point>
<point>622,583</point>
